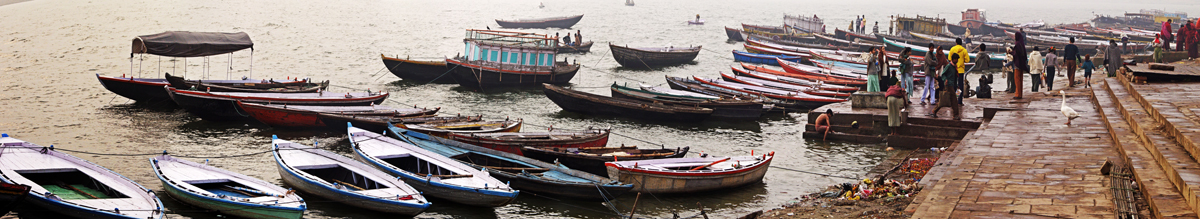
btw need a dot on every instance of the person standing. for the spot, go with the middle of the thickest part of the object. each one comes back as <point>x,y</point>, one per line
<point>578,37</point>
<point>983,61</point>
<point>1035,68</point>
<point>1124,42</point>
<point>1008,69</point>
<point>1190,43</point>
<point>947,95</point>
<point>1166,33</point>
<point>1070,60</point>
<point>1183,32</point>
<point>1112,58</point>
<point>896,100</point>
<point>875,30</point>
<point>1051,65</point>
<point>960,65</point>
<point>1087,70</point>
<point>873,71</point>
<point>1021,61</point>
<point>906,71</point>
<point>930,68</point>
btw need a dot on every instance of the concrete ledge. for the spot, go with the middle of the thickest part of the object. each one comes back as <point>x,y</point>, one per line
<point>868,100</point>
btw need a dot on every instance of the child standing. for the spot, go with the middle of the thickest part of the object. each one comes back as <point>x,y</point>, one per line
<point>1087,69</point>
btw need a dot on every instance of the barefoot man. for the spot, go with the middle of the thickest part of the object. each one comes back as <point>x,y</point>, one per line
<point>822,124</point>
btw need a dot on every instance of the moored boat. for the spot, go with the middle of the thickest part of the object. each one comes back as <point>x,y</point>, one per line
<point>583,102</point>
<point>426,71</point>
<point>734,34</point>
<point>529,175</point>
<point>680,175</point>
<point>630,57</point>
<point>342,179</point>
<point>306,116</point>
<point>580,48</point>
<point>552,22</point>
<point>444,129</point>
<point>512,142</point>
<point>783,86</point>
<point>591,159</point>
<point>224,191</point>
<point>762,58</point>
<point>827,79</point>
<point>723,108</point>
<point>380,123</point>
<point>808,101</point>
<point>261,87</point>
<point>793,80</point>
<point>431,173</point>
<point>12,195</point>
<point>72,186</point>
<point>504,58</point>
<point>223,106</point>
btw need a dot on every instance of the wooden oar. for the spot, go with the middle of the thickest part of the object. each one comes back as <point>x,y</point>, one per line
<point>348,184</point>
<point>77,190</point>
<point>707,165</point>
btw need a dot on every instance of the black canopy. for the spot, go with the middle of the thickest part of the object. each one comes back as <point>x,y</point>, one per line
<point>191,44</point>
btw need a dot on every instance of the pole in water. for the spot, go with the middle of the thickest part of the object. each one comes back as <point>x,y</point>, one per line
<point>635,201</point>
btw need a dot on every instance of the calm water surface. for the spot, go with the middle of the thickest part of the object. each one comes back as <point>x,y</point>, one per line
<point>50,51</point>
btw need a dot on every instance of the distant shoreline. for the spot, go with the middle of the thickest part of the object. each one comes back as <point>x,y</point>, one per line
<point>9,2</point>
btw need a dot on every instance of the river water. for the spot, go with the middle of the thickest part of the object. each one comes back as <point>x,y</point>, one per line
<point>50,51</point>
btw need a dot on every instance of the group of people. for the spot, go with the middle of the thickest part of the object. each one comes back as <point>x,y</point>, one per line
<point>859,25</point>
<point>1187,37</point>
<point>1043,68</point>
<point>567,39</point>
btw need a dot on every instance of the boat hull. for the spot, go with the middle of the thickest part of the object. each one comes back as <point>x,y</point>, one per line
<point>11,195</point>
<point>734,34</point>
<point>226,207</point>
<point>584,48</point>
<point>221,109</point>
<point>566,22</point>
<point>473,76</point>
<point>661,183</point>
<point>515,146</point>
<point>141,90</point>
<point>596,104</point>
<point>742,110</point>
<point>590,164</point>
<point>635,58</point>
<point>289,177</point>
<point>283,117</point>
<point>457,194</point>
<point>419,71</point>
<point>762,58</point>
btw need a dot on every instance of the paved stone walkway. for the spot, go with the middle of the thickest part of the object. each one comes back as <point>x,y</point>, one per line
<point>1025,163</point>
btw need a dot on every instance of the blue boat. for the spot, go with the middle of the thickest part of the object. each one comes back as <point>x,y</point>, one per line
<point>431,173</point>
<point>74,187</point>
<point>225,191</point>
<point>528,175</point>
<point>741,56</point>
<point>342,179</point>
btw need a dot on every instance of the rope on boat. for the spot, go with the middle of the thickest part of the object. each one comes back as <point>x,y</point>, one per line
<point>443,74</point>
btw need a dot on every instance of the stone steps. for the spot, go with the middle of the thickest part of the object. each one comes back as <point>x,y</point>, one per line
<point>1164,199</point>
<point>1158,153</point>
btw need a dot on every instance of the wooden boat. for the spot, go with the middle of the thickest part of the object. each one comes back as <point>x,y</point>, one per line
<point>827,79</point>
<point>12,195</point>
<point>783,105</point>
<point>825,38</point>
<point>581,48</point>
<point>225,191</point>
<point>431,173</point>
<point>591,159</point>
<point>262,87</point>
<point>305,116</point>
<point>797,68</point>
<point>783,86</point>
<point>854,37</point>
<point>793,80</point>
<point>695,22</point>
<point>429,71</point>
<point>734,34</point>
<point>723,108</point>
<point>808,101</point>
<point>504,58</point>
<point>380,123</point>
<point>342,179</point>
<point>526,174</point>
<point>512,142</point>
<point>772,51</point>
<point>444,129</point>
<point>762,58</point>
<point>552,22</point>
<point>653,57</point>
<point>223,106</point>
<point>677,93</point>
<point>183,44</point>
<point>629,3</point>
<point>763,28</point>
<point>71,186</point>
<point>583,102</point>
<point>680,175</point>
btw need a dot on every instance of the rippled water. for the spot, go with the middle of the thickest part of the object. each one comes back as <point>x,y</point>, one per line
<point>50,51</point>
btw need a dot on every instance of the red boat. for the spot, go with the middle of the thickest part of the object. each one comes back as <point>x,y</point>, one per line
<point>444,129</point>
<point>512,142</point>
<point>823,78</point>
<point>793,80</point>
<point>798,68</point>
<point>770,51</point>
<point>11,195</point>
<point>784,86</point>
<point>695,174</point>
<point>222,106</point>
<point>303,116</point>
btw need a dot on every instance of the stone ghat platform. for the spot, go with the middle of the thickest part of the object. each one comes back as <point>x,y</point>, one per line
<point>1130,153</point>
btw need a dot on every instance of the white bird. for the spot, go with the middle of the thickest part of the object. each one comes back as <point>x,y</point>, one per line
<point>1066,110</point>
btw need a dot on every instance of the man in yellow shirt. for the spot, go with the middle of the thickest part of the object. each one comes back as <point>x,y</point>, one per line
<point>961,64</point>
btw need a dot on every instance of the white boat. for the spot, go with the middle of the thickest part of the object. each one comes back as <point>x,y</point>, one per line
<point>67,185</point>
<point>225,191</point>
<point>693,174</point>
<point>628,2</point>
<point>434,174</point>
<point>339,178</point>
<point>668,90</point>
<point>696,22</point>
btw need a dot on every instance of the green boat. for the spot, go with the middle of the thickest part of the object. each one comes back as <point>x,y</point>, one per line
<point>224,191</point>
